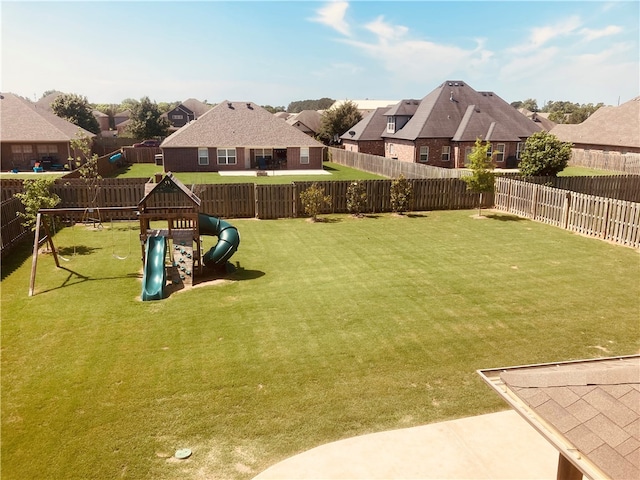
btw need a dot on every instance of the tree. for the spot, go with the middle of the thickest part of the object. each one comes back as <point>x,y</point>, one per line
<point>77,110</point>
<point>81,147</point>
<point>482,178</point>
<point>544,155</point>
<point>300,105</point>
<point>337,120</point>
<point>313,198</point>
<point>271,109</point>
<point>356,198</point>
<point>530,104</point>
<point>147,121</point>
<point>570,113</point>
<point>36,194</point>
<point>401,195</point>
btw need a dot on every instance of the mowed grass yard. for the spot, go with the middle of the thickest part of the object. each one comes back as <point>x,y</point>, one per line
<point>324,331</point>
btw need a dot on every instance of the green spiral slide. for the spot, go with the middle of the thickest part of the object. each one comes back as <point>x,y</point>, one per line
<point>228,239</point>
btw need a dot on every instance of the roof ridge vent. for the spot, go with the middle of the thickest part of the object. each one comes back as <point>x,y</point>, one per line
<point>230,105</point>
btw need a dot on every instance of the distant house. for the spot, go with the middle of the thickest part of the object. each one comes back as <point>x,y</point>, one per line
<point>31,134</point>
<point>539,117</point>
<point>609,130</point>
<point>441,128</point>
<point>366,106</point>
<point>307,121</point>
<point>187,111</point>
<point>239,136</point>
<point>121,120</point>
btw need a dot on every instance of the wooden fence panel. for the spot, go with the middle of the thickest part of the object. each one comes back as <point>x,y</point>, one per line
<point>12,231</point>
<point>228,201</point>
<point>274,201</point>
<point>628,162</point>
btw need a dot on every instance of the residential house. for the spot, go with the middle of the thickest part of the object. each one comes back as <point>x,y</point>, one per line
<point>366,106</point>
<point>187,111</point>
<point>442,128</point>
<point>365,136</point>
<point>30,134</point>
<point>239,136</point>
<point>539,117</point>
<point>609,130</point>
<point>307,121</point>
<point>121,120</point>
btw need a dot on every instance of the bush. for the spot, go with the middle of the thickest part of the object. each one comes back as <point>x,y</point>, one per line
<point>544,155</point>
<point>36,195</point>
<point>313,198</point>
<point>401,195</point>
<point>356,199</point>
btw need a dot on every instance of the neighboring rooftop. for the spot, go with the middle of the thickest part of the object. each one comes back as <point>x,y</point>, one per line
<point>589,410</point>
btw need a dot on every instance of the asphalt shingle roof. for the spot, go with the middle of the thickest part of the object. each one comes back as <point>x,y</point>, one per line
<point>239,124</point>
<point>614,126</point>
<point>23,121</point>
<point>593,406</point>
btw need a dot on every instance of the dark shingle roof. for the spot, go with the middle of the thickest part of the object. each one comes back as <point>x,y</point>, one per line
<point>309,118</point>
<point>22,121</point>
<point>239,124</point>
<point>441,113</point>
<point>590,407</point>
<point>370,127</point>
<point>196,106</point>
<point>614,126</point>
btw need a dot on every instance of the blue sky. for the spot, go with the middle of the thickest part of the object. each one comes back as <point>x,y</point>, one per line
<point>272,52</point>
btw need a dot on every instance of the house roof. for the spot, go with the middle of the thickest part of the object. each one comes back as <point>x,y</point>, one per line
<point>609,126</point>
<point>243,124</point>
<point>541,118</point>
<point>23,121</point>
<point>588,409</point>
<point>370,127</point>
<point>446,113</point>
<point>170,184</point>
<point>366,104</point>
<point>404,108</point>
<point>309,118</point>
<point>196,106</point>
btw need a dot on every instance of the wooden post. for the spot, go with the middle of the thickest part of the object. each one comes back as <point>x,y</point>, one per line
<point>34,257</point>
<point>565,210</point>
<point>567,470</point>
<point>534,200</point>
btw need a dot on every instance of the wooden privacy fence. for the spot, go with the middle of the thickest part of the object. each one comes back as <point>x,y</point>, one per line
<point>390,168</point>
<point>610,219</point>
<point>11,229</point>
<point>621,187</point>
<point>617,162</point>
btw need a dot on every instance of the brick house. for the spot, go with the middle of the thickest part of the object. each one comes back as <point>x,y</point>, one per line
<point>240,136</point>
<point>190,109</point>
<point>31,133</point>
<point>441,128</point>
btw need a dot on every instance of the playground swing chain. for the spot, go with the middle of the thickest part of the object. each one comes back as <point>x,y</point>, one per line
<point>113,245</point>
<point>53,222</point>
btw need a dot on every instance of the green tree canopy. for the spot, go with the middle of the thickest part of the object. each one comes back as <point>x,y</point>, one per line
<point>544,155</point>
<point>77,110</point>
<point>530,104</point>
<point>482,178</point>
<point>300,105</point>
<point>147,121</point>
<point>568,112</point>
<point>337,120</point>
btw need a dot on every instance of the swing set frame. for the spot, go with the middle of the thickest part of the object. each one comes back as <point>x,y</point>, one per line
<point>73,213</point>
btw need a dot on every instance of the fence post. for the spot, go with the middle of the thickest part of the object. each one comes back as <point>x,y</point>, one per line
<point>565,210</point>
<point>534,201</point>
<point>255,194</point>
<point>605,227</point>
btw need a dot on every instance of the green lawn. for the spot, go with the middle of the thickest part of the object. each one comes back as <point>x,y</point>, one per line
<point>586,172</point>
<point>338,172</point>
<point>325,330</point>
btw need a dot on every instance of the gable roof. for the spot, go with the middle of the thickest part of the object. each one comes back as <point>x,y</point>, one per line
<point>196,106</point>
<point>309,118</point>
<point>613,126</point>
<point>588,409</point>
<point>234,124</point>
<point>446,113</point>
<point>370,128</point>
<point>23,121</point>
<point>170,184</point>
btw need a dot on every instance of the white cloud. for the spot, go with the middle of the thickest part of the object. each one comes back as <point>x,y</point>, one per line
<point>590,34</point>
<point>332,15</point>
<point>540,36</point>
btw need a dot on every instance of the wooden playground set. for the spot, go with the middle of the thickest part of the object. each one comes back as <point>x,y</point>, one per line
<point>169,255</point>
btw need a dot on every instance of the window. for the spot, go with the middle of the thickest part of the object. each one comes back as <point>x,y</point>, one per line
<point>490,151</point>
<point>226,156</point>
<point>47,150</point>
<point>177,117</point>
<point>519,149</point>
<point>467,154</point>
<point>392,149</point>
<point>500,152</point>
<point>391,124</point>
<point>304,155</point>
<point>424,154</point>
<point>21,153</point>
<point>203,156</point>
<point>446,153</point>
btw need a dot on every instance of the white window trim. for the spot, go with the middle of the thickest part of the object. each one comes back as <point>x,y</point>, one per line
<point>226,157</point>
<point>519,149</point>
<point>203,156</point>
<point>424,152</point>
<point>446,153</point>
<point>304,155</point>
<point>391,124</point>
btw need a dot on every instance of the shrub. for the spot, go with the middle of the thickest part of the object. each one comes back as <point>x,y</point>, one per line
<point>401,195</point>
<point>356,198</point>
<point>36,195</point>
<point>313,198</point>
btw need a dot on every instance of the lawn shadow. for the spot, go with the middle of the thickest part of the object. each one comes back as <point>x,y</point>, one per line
<point>75,278</point>
<point>505,217</point>
<point>76,250</point>
<point>416,215</point>
<point>12,260</point>
<point>326,220</point>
